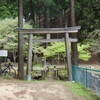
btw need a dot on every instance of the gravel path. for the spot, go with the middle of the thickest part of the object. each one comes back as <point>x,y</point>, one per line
<point>35,91</point>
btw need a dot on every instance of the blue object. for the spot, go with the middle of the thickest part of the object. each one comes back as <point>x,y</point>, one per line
<point>28,77</point>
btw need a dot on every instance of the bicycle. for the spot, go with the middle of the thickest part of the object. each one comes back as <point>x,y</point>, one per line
<point>8,70</point>
<point>0,70</point>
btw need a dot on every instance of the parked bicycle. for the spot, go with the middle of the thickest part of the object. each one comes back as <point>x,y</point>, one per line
<point>8,70</point>
<point>0,70</point>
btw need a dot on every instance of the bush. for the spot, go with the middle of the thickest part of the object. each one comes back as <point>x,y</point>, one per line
<point>63,75</point>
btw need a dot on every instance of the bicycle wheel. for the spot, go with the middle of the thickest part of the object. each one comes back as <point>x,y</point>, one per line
<point>13,72</point>
<point>6,73</point>
<point>0,72</point>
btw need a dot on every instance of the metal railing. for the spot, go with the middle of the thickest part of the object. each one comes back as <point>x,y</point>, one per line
<point>88,77</point>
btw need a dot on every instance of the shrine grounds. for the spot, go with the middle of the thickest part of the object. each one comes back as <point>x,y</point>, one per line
<point>43,90</point>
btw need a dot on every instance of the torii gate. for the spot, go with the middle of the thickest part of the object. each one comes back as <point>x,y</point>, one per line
<point>67,40</point>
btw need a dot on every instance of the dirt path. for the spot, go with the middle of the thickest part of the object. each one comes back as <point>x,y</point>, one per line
<point>35,91</point>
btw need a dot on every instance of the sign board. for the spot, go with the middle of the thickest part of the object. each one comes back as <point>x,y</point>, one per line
<point>3,53</point>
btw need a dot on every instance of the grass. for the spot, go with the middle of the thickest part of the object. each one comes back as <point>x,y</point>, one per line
<point>36,65</point>
<point>63,72</point>
<point>7,77</point>
<point>80,90</point>
<point>32,81</point>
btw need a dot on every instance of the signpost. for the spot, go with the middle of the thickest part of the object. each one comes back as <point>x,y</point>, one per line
<point>3,53</point>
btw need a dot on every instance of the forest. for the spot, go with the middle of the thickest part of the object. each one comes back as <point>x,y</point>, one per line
<point>50,14</point>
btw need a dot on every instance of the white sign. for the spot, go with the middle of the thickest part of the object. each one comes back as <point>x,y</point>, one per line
<point>3,53</point>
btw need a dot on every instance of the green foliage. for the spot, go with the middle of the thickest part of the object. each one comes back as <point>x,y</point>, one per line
<point>95,45</point>
<point>94,41</point>
<point>83,52</point>
<point>88,16</point>
<point>5,13</point>
<point>36,65</point>
<point>59,48</point>
<point>36,11</point>
<point>8,9</point>
<point>43,8</point>
<point>63,74</point>
<point>7,77</point>
<point>9,35</point>
<point>54,49</point>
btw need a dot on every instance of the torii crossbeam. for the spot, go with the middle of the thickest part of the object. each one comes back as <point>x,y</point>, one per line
<point>65,31</point>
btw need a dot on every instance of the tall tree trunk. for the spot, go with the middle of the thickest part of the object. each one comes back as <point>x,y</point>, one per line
<point>20,43</point>
<point>73,45</point>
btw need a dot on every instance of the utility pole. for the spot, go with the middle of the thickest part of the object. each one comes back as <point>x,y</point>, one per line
<point>74,56</point>
<point>20,41</point>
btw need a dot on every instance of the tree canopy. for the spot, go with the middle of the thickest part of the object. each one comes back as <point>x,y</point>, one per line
<point>55,49</point>
<point>9,37</point>
<point>53,13</point>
